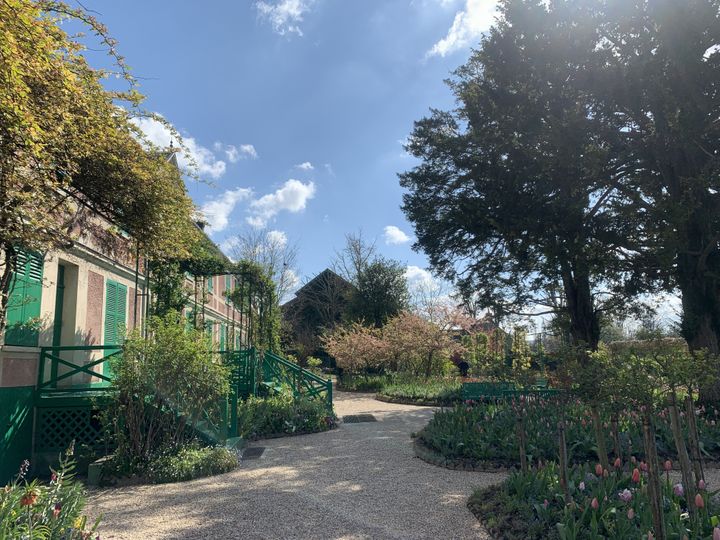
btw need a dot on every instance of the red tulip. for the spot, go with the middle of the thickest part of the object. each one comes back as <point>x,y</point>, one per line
<point>636,476</point>
<point>598,470</point>
<point>617,463</point>
<point>595,504</point>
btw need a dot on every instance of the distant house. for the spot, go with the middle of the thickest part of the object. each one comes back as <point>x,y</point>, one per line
<point>318,305</point>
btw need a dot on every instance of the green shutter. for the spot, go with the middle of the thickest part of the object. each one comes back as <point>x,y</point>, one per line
<point>24,300</point>
<point>115,308</point>
<point>223,336</point>
<point>210,283</point>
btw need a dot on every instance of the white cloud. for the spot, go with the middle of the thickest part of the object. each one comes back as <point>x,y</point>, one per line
<point>236,153</point>
<point>158,134</point>
<point>419,277</point>
<point>217,212</point>
<point>277,238</point>
<point>305,166</point>
<point>292,196</point>
<point>393,235</point>
<point>329,169</point>
<point>467,27</point>
<point>284,16</point>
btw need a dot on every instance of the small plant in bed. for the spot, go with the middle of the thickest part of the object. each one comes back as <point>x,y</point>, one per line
<point>282,415</point>
<point>612,504</point>
<point>192,461</point>
<point>363,382</point>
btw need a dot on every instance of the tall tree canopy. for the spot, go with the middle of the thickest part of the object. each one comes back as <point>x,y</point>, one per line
<point>66,142</point>
<point>582,157</point>
<point>516,195</point>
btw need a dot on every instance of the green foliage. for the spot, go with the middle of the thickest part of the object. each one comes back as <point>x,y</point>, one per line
<point>167,285</point>
<point>53,511</point>
<point>486,431</point>
<point>436,391</point>
<point>363,382</point>
<point>191,462</point>
<point>282,414</point>
<point>532,506</point>
<point>381,292</point>
<point>256,297</point>
<point>162,385</point>
<point>66,138</point>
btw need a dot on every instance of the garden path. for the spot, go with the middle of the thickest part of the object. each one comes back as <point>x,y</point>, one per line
<point>360,481</point>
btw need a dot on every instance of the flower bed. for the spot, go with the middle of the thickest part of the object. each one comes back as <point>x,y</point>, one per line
<point>282,415</point>
<point>487,432</point>
<point>599,504</point>
<point>441,392</point>
<point>356,382</point>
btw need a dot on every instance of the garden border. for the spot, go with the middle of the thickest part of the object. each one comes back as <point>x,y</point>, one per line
<point>413,401</point>
<point>432,457</point>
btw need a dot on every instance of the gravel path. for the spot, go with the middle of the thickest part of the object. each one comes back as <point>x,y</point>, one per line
<point>359,481</point>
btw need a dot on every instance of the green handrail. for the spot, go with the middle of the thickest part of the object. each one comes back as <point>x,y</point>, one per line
<point>302,381</point>
<point>51,353</point>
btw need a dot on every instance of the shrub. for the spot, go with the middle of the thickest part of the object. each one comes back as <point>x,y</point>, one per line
<point>162,385</point>
<point>275,415</point>
<point>356,348</point>
<point>437,391</point>
<point>533,506</point>
<point>191,462</point>
<point>359,382</point>
<point>50,511</point>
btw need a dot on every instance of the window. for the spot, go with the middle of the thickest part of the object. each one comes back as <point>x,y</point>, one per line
<point>23,314</point>
<point>210,283</point>
<point>115,311</point>
<point>223,336</point>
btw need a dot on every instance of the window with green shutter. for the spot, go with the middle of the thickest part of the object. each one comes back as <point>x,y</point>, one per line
<point>23,314</point>
<point>210,283</point>
<point>223,336</point>
<point>115,312</point>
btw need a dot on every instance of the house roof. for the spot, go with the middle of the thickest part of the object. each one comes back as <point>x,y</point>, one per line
<point>327,273</point>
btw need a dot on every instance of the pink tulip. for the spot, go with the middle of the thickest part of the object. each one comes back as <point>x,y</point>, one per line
<point>631,513</point>
<point>595,504</point>
<point>716,533</point>
<point>678,490</point>
<point>701,484</point>
<point>617,463</point>
<point>598,470</point>
<point>636,476</point>
<point>699,501</point>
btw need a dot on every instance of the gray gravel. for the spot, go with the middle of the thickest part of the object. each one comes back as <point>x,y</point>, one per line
<point>359,481</point>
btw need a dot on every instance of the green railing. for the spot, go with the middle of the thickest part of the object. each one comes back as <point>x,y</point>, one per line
<point>278,372</point>
<point>56,366</point>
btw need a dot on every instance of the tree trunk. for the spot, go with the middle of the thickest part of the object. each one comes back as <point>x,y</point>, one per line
<point>696,270</point>
<point>584,323</point>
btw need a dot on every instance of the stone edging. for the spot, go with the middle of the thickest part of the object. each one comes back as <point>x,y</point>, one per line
<point>411,401</point>
<point>432,457</point>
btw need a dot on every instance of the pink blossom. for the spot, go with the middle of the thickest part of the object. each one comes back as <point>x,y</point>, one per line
<point>595,504</point>
<point>625,495</point>
<point>678,490</point>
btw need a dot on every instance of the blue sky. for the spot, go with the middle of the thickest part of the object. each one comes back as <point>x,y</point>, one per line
<point>295,109</point>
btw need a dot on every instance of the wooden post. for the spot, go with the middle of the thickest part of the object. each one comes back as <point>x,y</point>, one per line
<point>654,490</point>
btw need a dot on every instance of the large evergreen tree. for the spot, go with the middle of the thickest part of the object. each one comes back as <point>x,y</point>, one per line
<point>516,197</point>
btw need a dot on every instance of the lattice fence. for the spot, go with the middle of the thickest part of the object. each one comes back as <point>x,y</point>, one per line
<point>58,427</point>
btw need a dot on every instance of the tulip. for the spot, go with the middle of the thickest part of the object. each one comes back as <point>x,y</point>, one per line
<point>631,513</point>
<point>643,466</point>
<point>625,495</point>
<point>605,473</point>
<point>650,536</point>
<point>598,470</point>
<point>617,463</point>
<point>699,501</point>
<point>701,484</point>
<point>546,503</point>
<point>678,490</point>
<point>636,475</point>
<point>595,504</point>
<point>581,486</point>
<point>716,533</point>
<point>633,460</point>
